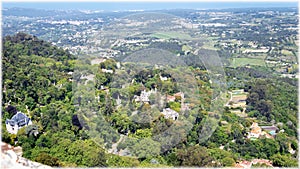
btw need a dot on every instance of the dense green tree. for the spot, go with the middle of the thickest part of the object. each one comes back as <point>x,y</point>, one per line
<point>47,159</point>
<point>284,161</point>
<point>270,147</point>
<point>194,156</point>
<point>220,136</point>
<point>282,140</point>
<point>273,99</point>
<point>86,153</point>
<point>120,161</point>
<point>145,148</point>
<point>226,158</point>
<point>228,162</point>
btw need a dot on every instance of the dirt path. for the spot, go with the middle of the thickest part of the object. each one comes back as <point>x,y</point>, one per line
<point>114,146</point>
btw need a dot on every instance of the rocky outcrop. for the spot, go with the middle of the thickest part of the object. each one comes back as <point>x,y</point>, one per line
<point>11,157</point>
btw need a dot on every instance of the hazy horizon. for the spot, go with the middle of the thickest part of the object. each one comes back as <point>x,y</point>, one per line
<point>123,6</point>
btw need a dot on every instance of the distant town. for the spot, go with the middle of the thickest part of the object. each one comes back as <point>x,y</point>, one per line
<point>264,37</point>
<point>157,88</point>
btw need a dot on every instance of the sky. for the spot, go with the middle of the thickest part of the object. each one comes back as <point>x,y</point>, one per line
<point>113,6</point>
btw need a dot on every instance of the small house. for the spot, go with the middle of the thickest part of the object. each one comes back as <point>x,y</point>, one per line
<point>243,164</point>
<point>170,114</point>
<point>262,161</point>
<point>179,94</point>
<point>255,131</point>
<point>18,121</point>
<point>107,71</point>
<point>144,97</point>
<point>163,78</point>
<point>170,98</point>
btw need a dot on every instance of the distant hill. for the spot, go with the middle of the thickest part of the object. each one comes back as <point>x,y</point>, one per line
<point>25,44</point>
<point>32,12</point>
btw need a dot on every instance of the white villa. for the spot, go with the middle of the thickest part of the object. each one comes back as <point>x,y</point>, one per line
<point>107,71</point>
<point>170,114</point>
<point>144,97</point>
<point>18,121</point>
<point>163,78</point>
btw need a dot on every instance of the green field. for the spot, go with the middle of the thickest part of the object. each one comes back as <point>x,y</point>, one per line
<point>186,48</point>
<point>209,45</point>
<point>169,35</point>
<point>261,56</point>
<point>287,52</point>
<point>238,62</point>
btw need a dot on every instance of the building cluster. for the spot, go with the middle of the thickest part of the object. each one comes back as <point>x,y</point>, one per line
<point>167,112</point>
<point>260,131</point>
<point>248,164</point>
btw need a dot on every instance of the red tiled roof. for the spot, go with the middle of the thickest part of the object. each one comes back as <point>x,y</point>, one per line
<point>256,130</point>
<point>238,166</point>
<point>178,94</point>
<point>262,161</point>
<point>170,98</point>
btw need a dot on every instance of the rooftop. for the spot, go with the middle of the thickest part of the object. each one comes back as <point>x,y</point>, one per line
<point>19,119</point>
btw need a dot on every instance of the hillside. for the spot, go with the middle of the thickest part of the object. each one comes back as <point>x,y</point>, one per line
<point>36,82</point>
<point>82,111</point>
